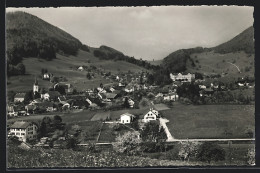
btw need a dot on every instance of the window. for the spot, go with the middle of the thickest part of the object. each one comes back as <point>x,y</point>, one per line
<point>22,134</point>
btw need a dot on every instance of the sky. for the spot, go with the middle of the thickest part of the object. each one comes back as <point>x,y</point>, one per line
<point>149,32</point>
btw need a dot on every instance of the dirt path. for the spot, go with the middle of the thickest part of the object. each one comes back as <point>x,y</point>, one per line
<point>163,124</point>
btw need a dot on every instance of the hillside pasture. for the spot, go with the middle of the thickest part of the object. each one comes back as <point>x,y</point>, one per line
<point>210,121</point>
<point>215,63</point>
<point>65,66</point>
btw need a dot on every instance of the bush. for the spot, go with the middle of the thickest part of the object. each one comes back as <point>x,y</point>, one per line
<point>210,151</point>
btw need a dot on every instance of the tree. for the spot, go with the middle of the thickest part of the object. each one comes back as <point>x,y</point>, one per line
<point>251,156</point>
<point>45,126</point>
<point>20,69</point>
<point>72,143</point>
<point>209,151</point>
<point>188,149</point>
<point>153,132</point>
<point>36,95</point>
<point>128,143</point>
<point>144,102</point>
<point>126,103</point>
<point>88,76</point>
<point>60,89</point>
<point>28,97</point>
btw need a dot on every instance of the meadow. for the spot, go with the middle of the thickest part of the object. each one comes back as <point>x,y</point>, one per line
<point>210,121</point>
<point>65,66</point>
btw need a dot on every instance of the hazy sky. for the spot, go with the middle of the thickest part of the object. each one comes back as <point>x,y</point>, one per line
<point>149,32</point>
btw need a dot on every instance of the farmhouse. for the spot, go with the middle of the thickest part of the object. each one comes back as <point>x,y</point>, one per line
<point>182,77</point>
<point>12,111</point>
<point>24,130</point>
<point>46,76</point>
<point>80,68</point>
<point>67,86</point>
<point>151,115</point>
<point>51,95</point>
<point>126,118</point>
<point>171,96</point>
<point>19,97</point>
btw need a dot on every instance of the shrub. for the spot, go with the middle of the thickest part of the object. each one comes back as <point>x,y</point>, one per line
<point>210,151</point>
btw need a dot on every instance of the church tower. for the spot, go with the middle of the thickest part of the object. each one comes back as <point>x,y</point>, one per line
<point>35,86</point>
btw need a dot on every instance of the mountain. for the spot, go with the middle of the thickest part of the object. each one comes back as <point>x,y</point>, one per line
<point>242,42</point>
<point>33,45</point>
<point>31,37</point>
<point>238,51</point>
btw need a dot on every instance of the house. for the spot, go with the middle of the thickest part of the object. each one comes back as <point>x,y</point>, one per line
<point>24,130</point>
<point>19,97</point>
<point>12,111</point>
<point>48,106</point>
<point>80,68</point>
<point>131,103</point>
<point>46,76</point>
<point>202,86</point>
<point>51,95</point>
<point>241,84</point>
<point>36,101</point>
<point>151,115</point>
<point>207,92</point>
<point>182,77</point>
<point>62,98</point>
<point>67,86</point>
<point>111,89</point>
<point>111,96</point>
<point>171,96</point>
<point>126,118</point>
<point>159,95</point>
<point>30,108</point>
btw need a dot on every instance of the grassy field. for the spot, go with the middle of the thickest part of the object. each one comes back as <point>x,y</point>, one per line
<point>211,63</point>
<point>101,115</point>
<point>63,66</point>
<point>209,121</point>
<point>90,130</point>
<point>108,134</point>
<point>161,107</point>
<point>84,115</point>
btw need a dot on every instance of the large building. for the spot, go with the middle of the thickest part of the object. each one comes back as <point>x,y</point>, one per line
<point>24,130</point>
<point>182,77</point>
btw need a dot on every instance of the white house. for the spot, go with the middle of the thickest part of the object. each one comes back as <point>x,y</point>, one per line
<point>24,130</point>
<point>151,115</point>
<point>182,77</point>
<point>46,76</point>
<point>19,97</point>
<point>171,96</point>
<point>80,68</point>
<point>202,86</point>
<point>126,118</point>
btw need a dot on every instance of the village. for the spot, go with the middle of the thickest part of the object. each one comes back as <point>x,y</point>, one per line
<point>127,103</point>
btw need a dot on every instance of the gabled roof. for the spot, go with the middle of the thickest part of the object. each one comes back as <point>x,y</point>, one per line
<point>20,125</point>
<point>19,95</point>
<point>53,93</point>
<point>111,95</point>
<point>127,114</point>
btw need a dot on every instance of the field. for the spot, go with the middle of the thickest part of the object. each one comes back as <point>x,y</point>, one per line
<point>211,63</point>
<point>161,107</point>
<point>108,134</point>
<point>210,121</point>
<point>63,66</point>
<point>101,116</point>
<point>90,130</point>
<point>84,115</point>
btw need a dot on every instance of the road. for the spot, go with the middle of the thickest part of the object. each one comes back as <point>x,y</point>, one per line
<point>235,66</point>
<point>202,140</point>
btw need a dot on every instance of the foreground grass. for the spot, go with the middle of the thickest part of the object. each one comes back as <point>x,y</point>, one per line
<point>210,121</point>
<point>50,158</point>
